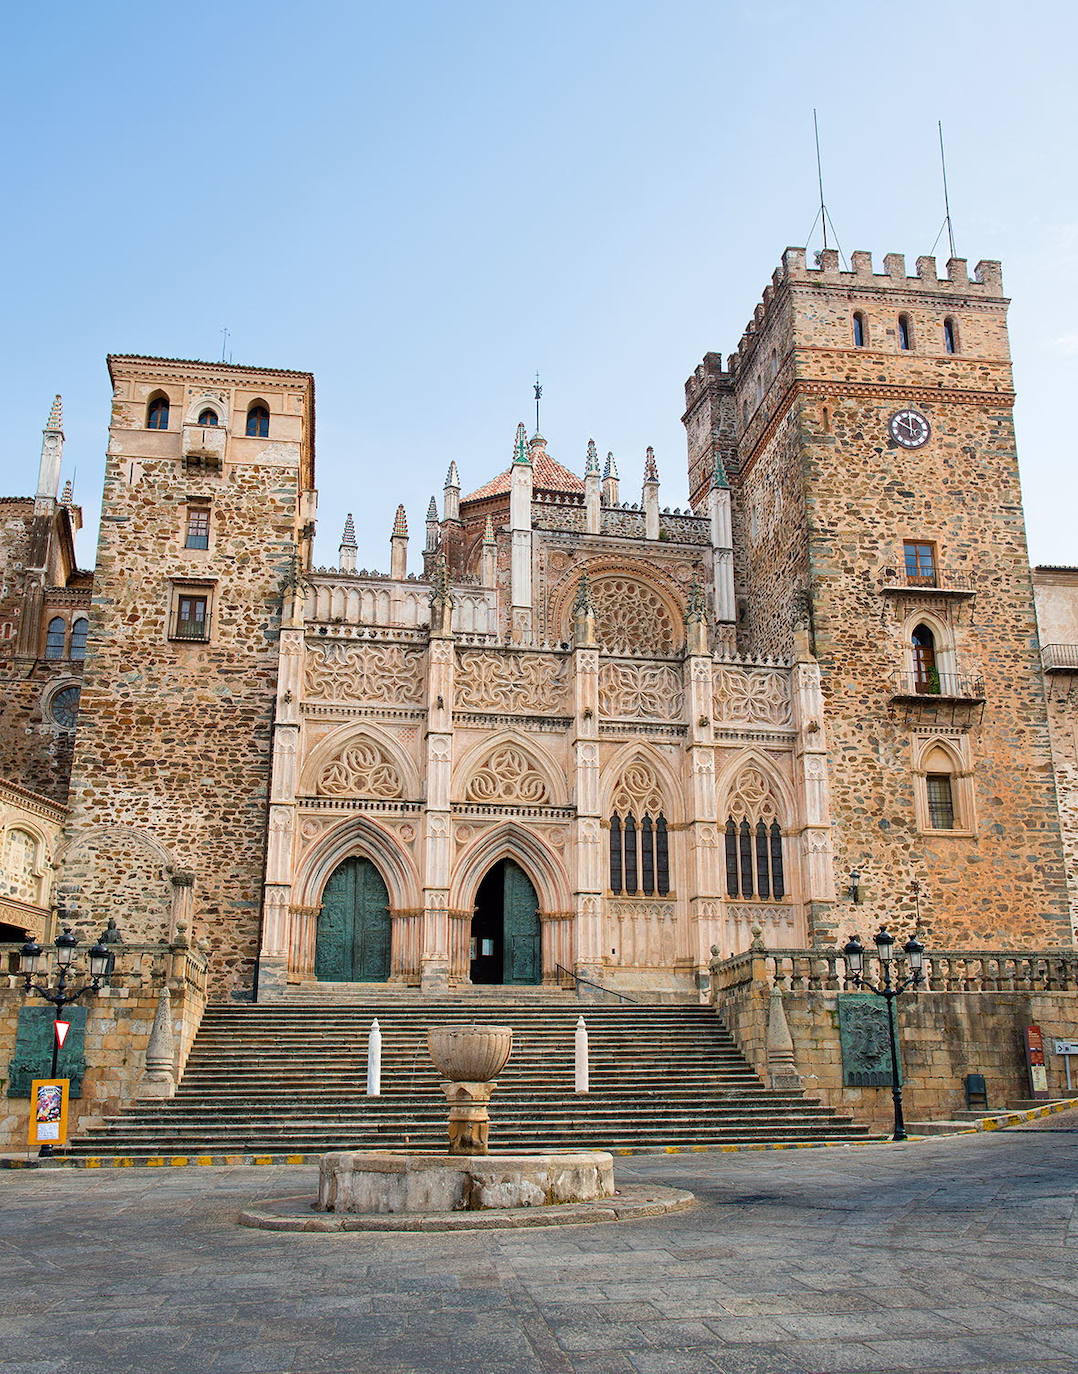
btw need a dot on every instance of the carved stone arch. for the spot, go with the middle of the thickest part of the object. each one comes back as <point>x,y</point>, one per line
<point>512,769</point>
<point>543,867</point>
<point>670,786</point>
<point>663,602</point>
<point>372,748</point>
<point>357,837</point>
<point>216,401</point>
<point>926,747</point>
<point>942,632</point>
<point>745,761</point>
<point>71,843</point>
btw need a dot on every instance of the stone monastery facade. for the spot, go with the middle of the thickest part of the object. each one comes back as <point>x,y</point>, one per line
<point>592,737</point>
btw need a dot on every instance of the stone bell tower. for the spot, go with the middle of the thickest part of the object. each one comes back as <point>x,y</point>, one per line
<point>865,423</point>
<point>207,515</point>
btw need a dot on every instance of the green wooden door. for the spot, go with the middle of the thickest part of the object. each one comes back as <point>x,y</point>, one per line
<point>353,926</point>
<point>520,924</point>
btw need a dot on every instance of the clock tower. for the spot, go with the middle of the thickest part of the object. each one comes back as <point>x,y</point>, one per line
<point>865,425</point>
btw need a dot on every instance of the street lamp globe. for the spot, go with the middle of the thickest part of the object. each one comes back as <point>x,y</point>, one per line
<point>915,953</point>
<point>99,960</point>
<point>885,944</point>
<point>854,953</point>
<point>66,944</point>
<point>30,957</point>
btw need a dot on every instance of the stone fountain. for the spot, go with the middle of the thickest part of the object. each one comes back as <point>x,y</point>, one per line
<point>357,1188</point>
<point>469,1177</point>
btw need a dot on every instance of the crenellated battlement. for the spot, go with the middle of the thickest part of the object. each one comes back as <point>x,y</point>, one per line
<point>986,284</point>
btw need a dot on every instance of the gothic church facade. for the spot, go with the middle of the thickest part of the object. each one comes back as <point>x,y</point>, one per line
<point>593,737</point>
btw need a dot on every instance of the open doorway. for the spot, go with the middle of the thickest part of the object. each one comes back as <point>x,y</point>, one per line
<point>505,928</point>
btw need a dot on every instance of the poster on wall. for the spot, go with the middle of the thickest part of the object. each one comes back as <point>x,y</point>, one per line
<point>48,1111</point>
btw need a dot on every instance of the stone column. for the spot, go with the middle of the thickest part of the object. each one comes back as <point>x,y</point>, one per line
<point>434,956</point>
<point>811,763</point>
<point>701,865</point>
<point>183,901</point>
<point>592,491</point>
<point>590,880</point>
<point>277,896</point>
<point>520,525</point>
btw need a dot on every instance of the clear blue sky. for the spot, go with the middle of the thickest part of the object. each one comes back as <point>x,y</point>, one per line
<point>425,203</point>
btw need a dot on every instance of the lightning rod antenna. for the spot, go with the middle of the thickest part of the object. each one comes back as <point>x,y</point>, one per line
<point>819,175</point>
<point>538,396</point>
<point>946,197</point>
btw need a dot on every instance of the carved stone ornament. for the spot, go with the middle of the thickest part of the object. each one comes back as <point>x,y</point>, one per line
<point>511,683</point>
<point>361,770</point>
<point>630,690</point>
<point>362,673</point>
<point>631,618</point>
<point>752,798</point>
<point>752,696</point>
<point>508,775</point>
<point>638,791</point>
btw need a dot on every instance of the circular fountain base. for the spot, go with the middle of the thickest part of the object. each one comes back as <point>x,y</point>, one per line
<point>379,1181</point>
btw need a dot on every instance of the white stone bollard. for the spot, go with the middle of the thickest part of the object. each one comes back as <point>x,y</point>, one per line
<point>374,1061</point>
<point>581,1057</point>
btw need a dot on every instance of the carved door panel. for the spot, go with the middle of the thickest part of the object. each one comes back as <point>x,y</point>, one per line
<point>520,923</point>
<point>353,926</point>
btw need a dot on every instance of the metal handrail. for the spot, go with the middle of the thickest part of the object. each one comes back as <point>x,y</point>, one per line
<point>598,986</point>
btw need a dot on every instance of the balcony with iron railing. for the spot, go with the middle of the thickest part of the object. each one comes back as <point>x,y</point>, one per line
<point>966,687</point>
<point>198,630</point>
<point>940,582</point>
<point>1059,658</point>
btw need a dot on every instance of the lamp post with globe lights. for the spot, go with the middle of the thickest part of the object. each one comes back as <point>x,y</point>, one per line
<point>32,962</point>
<point>888,988</point>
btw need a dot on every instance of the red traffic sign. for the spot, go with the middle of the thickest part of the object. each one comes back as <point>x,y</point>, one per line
<point>62,1028</point>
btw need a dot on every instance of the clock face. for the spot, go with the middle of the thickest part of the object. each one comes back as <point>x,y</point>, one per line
<point>909,428</point>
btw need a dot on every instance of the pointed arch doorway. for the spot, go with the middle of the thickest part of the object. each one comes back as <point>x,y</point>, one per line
<point>505,928</point>
<point>352,942</point>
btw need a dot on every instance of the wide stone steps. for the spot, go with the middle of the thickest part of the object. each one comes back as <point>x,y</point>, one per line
<point>290,1078</point>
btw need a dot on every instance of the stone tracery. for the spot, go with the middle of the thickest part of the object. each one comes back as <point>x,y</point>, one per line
<point>508,775</point>
<point>362,769</point>
<point>634,690</point>
<point>510,682</point>
<point>631,617</point>
<point>369,672</point>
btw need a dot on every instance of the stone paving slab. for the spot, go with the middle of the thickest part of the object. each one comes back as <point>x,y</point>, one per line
<point>945,1256</point>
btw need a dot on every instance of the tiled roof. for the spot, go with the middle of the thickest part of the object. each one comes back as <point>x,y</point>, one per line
<point>547,475</point>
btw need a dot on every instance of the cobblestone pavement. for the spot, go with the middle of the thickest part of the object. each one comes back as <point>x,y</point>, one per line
<point>948,1255</point>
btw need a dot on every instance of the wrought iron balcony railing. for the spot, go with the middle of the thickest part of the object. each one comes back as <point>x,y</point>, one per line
<point>191,629</point>
<point>1059,658</point>
<point>950,686</point>
<point>939,583</point>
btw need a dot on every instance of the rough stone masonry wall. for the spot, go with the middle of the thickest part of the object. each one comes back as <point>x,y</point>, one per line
<point>1006,884</point>
<point>943,1036</point>
<point>172,760</point>
<point>1063,731</point>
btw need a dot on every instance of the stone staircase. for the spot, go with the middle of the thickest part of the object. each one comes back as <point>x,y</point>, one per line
<point>288,1078</point>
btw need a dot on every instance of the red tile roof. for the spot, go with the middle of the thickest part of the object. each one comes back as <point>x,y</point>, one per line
<point>548,475</point>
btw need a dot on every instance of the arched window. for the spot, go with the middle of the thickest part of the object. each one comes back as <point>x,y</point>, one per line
<point>926,678</point>
<point>54,638</point>
<point>860,333</point>
<point>207,417</point>
<point>754,858</point>
<point>639,842</point>
<point>941,792</point>
<point>905,333</point>
<point>744,412</point>
<point>258,422</point>
<point>79,630</point>
<point>950,336</point>
<point>157,413</point>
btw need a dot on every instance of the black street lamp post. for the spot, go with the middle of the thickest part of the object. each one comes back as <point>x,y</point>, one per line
<point>854,953</point>
<point>30,963</point>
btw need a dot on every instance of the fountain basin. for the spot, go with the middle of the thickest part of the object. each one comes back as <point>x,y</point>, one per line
<point>470,1054</point>
<point>374,1181</point>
